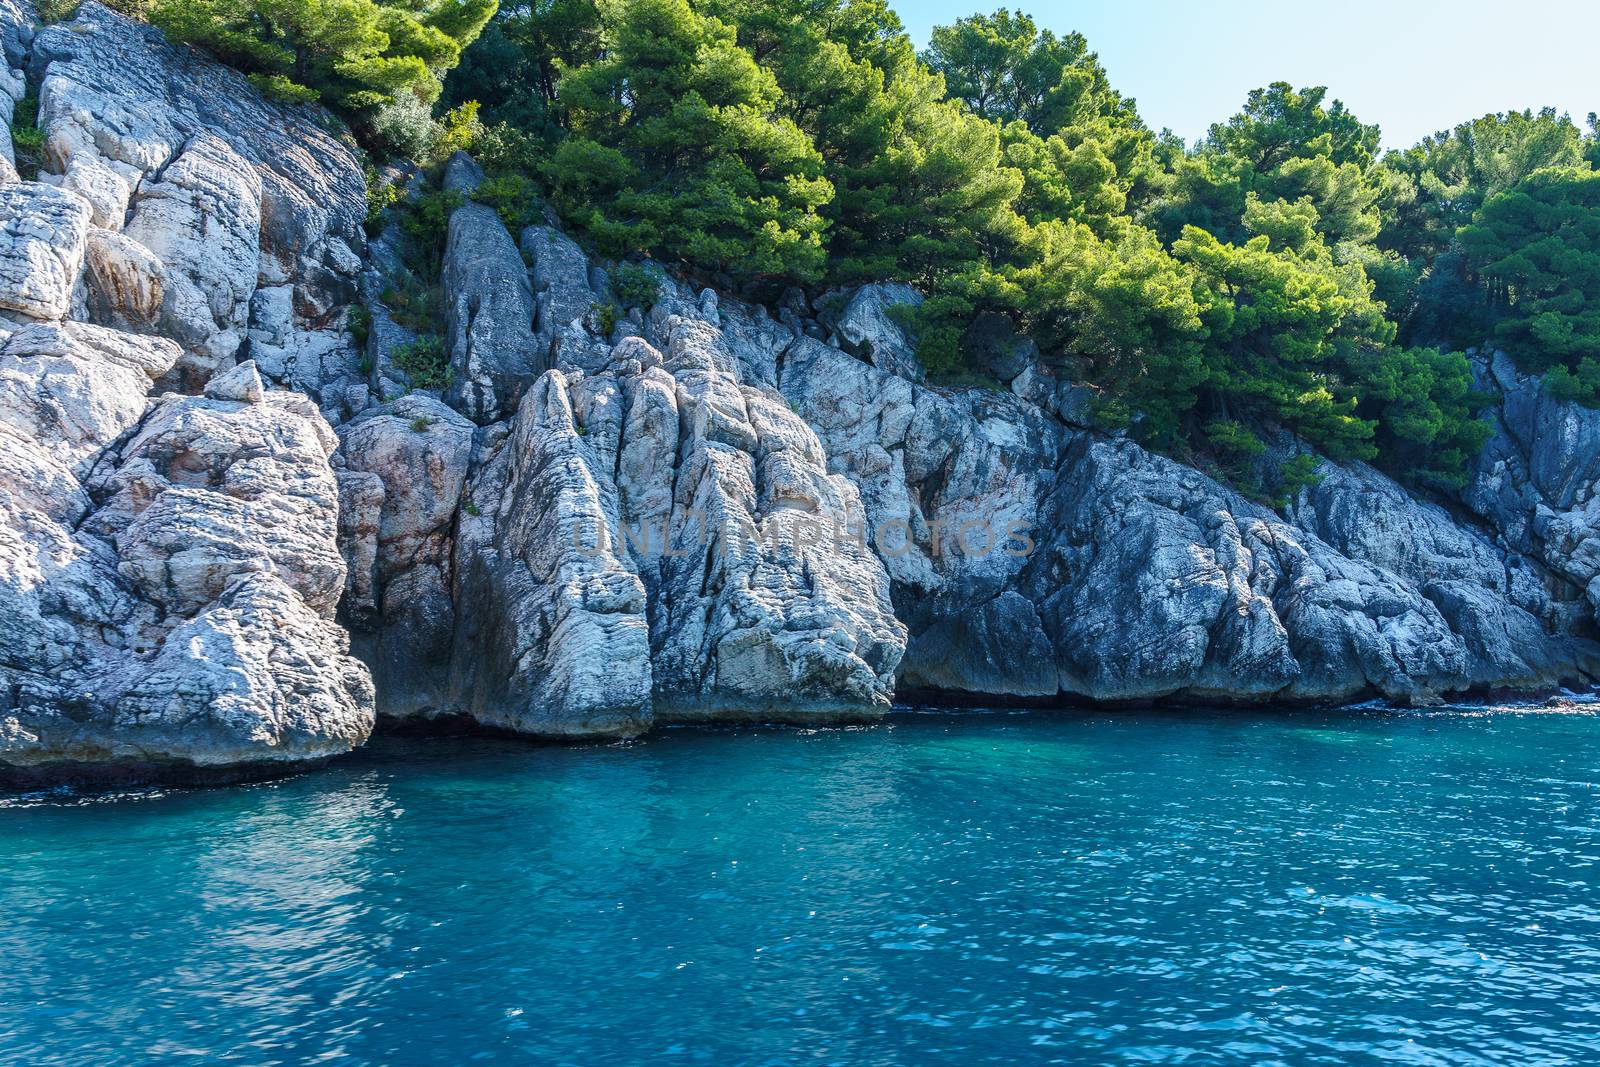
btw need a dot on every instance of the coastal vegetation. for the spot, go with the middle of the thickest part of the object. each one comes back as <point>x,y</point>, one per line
<point>1281,273</point>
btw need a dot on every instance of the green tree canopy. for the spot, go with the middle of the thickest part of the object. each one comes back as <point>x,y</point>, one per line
<point>1536,248</point>
<point>356,54</point>
<point>514,71</point>
<point>677,147</point>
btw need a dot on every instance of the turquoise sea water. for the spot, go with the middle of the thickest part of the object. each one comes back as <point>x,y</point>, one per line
<point>978,889</point>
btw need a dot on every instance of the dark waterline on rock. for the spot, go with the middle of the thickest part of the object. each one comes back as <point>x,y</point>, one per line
<point>1228,887</point>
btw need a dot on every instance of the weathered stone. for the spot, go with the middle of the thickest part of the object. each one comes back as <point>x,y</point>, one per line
<point>414,453</point>
<point>551,638</point>
<point>186,620</point>
<point>559,271</point>
<point>219,184</point>
<point>202,220</point>
<point>123,281</point>
<point>867,330</point>
<point>1537,483</point>
<point>73,388</point>
<point>42,235</point>
<point>242,383</point>
<point>489,315</point>
<point>1515,633</point>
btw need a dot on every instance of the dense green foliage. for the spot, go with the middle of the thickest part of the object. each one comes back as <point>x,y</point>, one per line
<point>1277,275</point>
<point>1536,250</point>
<point>381,62</point>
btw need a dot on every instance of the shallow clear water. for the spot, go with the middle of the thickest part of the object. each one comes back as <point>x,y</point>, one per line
<point>1194,888</point>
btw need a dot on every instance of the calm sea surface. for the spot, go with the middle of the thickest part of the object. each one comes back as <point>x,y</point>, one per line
<point>1196,888</point>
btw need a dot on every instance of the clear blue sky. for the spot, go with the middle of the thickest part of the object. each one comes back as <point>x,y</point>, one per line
<point>1412,66</point>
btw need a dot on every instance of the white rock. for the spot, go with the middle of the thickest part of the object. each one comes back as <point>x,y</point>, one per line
<point>42,235</point>
<point>202,219</point>
<point>123,280</point>
<point>242,383</point>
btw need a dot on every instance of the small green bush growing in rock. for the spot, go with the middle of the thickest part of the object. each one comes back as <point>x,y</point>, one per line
<point>426,220</point>
<point>606,317</point>
<point>381,196</point>
<point>277,87</point>
<point>420,424</point>
<point>1581,385</point>
<point>414,305</point>
<point>424,362</point>
<point>635,285</point>
<point>457,130</point>
<point>1295,474</point>
<point>514,198</point>
<point>26,137</point>
<point>359,323</point>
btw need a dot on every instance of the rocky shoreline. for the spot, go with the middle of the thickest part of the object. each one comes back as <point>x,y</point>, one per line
<point>234,534</point>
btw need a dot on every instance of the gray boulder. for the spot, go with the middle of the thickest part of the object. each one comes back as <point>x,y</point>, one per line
<point>867,330</point>
<point>43,231</point>
<point>489,316</point>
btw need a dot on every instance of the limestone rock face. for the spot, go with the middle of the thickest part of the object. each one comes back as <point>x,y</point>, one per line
<point>793,612</point>
<point>75,387</point>
<point>202,220</point>
<point>1513,630</point>
<point>1157,581</point>
<point>559,271</point>
<point>489,314</point>
<point>867,329</point>
<point>1144,579</point>
<point>665,543</point>
<point>552,637</point>
<point>953,486</point>
<point>171,572</point>
<point>1537,483</point>
<point>123,279</point>
<point>213,189</point>
<point>42,235</point>
<point>406,464</point>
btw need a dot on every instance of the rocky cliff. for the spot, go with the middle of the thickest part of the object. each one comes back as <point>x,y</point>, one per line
<point>210,494</point>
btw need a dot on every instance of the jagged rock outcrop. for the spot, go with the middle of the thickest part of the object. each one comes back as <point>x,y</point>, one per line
<point>866,328</point>
<point>170,574</point>
<point>552,637</point>
<point>784,610</point>
<point>488,309</point>
<point>1147,579</point>
<point>1498,603</point>
<point>405,466</point>
<point>1537,483</point>
<point>665,544</point>
<point>206,193</point>
<point>201,218</point>
<point>563,295</point>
